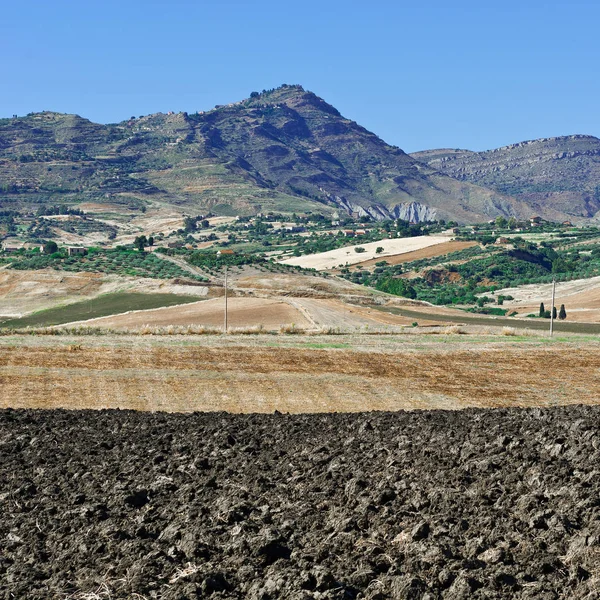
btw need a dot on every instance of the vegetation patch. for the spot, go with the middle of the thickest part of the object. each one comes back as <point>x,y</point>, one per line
<point>102,306</point>
<point>120,261</point>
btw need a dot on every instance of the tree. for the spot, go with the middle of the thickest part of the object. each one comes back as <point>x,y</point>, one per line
<point>50,247</point>
<point>379,250</point>
<point>150,241</point>
<point>189,224</point>
<point>562,313</point>
<point>140,242</point>
<point>554,312</point>
<point>501,222</point>
<point>359,249</point>
<point>542,310</point>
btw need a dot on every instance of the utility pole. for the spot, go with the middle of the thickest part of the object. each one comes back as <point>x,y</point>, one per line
<point>552,309</point>
<point>225,324</point>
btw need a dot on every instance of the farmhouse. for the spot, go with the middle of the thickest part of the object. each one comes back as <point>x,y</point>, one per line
<point>76,251</point>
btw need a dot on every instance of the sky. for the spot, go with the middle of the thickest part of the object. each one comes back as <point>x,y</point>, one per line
<point>440,74</point>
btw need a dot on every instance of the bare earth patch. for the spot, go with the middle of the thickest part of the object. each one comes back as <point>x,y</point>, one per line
<point>242,312</point>
<point>429,252</point>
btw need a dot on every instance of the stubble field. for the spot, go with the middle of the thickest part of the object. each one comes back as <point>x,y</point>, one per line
<point>296,373</point>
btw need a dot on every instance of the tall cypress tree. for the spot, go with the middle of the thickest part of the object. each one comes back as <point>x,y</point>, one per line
<point>562,313</point>
<point>542,310</point>
<point>554,312</point>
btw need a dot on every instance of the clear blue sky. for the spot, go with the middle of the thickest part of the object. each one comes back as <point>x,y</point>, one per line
<point>462,74</point>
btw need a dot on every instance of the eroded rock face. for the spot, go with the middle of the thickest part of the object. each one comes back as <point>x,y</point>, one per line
<point>471,504</point>
<point>560,174</point>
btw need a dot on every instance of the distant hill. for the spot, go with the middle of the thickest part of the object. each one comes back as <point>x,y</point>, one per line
<point>555,176</point>
<point>284,149</point>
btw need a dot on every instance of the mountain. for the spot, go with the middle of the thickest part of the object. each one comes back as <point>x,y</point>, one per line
<point>284,149</point>
<point>555,176</point>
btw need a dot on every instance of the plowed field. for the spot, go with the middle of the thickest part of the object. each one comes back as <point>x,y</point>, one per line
<point>410,506</point>
<point>429,252</point>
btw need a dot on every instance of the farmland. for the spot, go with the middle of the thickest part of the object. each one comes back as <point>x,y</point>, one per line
<point>468,504</point>
<point>348,256</point>
<point>296,373</point>
<point>108,304</point>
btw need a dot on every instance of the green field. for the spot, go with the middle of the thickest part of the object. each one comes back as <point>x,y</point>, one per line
<point>102,306</point>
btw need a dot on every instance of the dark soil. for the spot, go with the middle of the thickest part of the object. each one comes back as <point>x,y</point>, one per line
<point>471,504</point>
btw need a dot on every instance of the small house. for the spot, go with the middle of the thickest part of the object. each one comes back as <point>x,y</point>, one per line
<point>76,251</point>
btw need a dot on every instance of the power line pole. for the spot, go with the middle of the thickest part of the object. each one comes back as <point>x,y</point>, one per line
<point>552,309</point>
<point>225,324</point>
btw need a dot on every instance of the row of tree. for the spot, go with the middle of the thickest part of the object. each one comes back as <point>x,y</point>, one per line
<point>545,314</point>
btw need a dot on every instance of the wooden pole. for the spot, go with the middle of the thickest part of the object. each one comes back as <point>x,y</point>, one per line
<point>225,324</point>
<point>552,309</point>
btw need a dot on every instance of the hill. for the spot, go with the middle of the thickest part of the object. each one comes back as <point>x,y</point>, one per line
<point>284,149</point>
<point>555,176</point>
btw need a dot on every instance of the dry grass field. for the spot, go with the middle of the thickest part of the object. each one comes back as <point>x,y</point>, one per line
<point>24,292</point>
<point>296,373</point>
<point>581,298</point>
<point>332,259</point>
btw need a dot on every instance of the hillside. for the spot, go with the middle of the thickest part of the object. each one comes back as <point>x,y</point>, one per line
<point>555,176</point>
<point>284,149</point>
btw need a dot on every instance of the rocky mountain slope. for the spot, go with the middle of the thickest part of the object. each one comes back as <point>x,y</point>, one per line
<point>284,149</point>
<point>555,176</point>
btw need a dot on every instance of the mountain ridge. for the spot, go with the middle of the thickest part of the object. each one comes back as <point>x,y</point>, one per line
<point>559,174</point>
<point>284,149</point>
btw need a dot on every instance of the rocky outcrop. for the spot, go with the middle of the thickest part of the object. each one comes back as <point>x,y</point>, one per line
<point>555,176</point>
